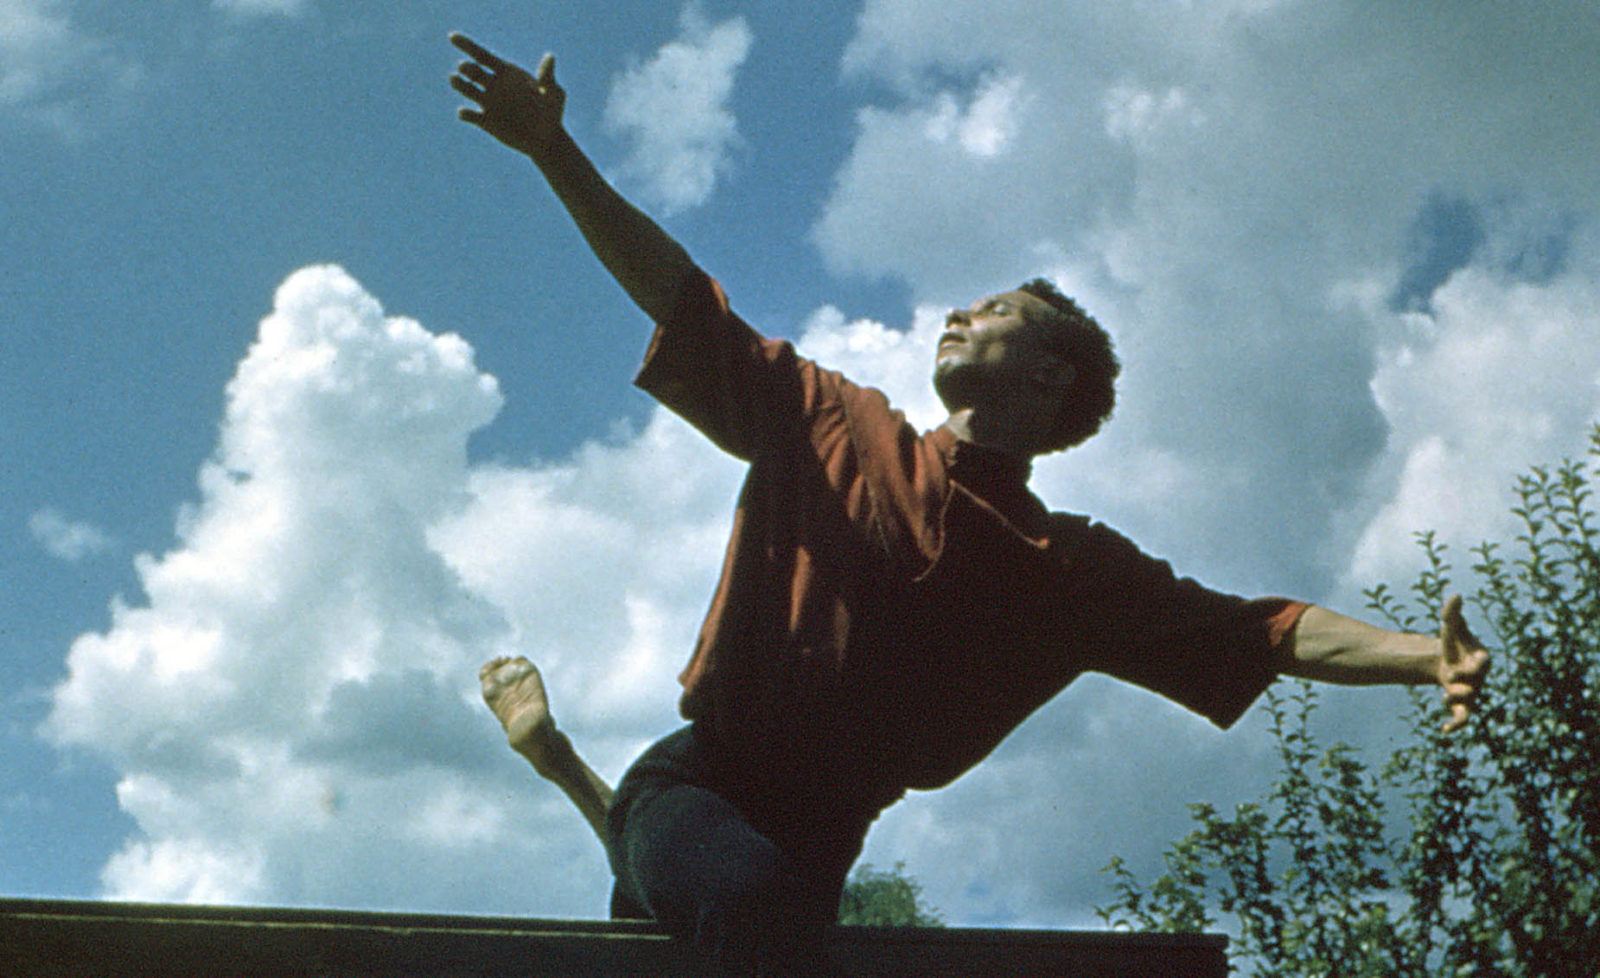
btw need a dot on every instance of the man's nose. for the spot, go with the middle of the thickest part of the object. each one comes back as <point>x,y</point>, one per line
<point>958,317</point>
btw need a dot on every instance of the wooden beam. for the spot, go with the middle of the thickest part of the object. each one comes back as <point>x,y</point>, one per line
<point>81,939</point>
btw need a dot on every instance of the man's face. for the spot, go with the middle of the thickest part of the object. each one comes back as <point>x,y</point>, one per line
<point>999,343</point>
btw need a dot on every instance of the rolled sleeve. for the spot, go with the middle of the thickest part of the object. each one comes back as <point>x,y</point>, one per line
<point>1206,650</point>
<point>709,367</point>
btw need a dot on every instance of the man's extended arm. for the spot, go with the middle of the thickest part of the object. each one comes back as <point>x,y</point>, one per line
<point>1330,647</point>
<point>524,112</point>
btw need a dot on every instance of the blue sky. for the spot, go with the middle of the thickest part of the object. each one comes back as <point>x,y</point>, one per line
<point>258,533</point>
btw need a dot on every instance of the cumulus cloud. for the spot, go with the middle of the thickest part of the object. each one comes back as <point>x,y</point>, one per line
<point>53,70</point>
<point>1133,113</point>
<point>673,111</point>
<point>1499,376</point>
<point>301,665</point>
<point>985,125</point>
<point>67,539</point>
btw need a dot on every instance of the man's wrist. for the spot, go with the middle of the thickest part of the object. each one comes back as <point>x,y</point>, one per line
<point>554,151</point>
<point>1416,657</point>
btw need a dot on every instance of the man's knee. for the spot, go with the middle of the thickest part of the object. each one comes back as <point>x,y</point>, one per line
<point>737,890</point>
<point>754,885</point>
<point>732,892</point>
<point>685,850</point>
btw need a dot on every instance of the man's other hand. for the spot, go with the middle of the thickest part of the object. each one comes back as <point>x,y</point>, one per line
<point>1463,665</point>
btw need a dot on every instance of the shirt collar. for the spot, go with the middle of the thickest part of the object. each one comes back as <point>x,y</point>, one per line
<point>971,462</point>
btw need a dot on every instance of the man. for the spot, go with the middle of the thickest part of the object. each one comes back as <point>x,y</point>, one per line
<point>892,604</point>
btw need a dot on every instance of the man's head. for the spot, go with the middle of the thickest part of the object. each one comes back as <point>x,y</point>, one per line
<point>1032,349</point>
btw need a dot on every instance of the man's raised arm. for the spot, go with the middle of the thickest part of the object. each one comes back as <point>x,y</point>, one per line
<point>524,112</point>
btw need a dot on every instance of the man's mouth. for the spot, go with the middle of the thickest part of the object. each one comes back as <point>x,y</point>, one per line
<point>950,336</point>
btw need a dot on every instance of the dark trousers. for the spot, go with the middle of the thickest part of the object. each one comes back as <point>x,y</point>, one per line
<point>752,884</point>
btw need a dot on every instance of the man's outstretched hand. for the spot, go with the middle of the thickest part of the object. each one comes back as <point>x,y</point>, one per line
<point>1463,664</point>
<point>524,112</point>
<point>521,110</point>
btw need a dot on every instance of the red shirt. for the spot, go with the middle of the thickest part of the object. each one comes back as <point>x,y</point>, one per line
<point>892,604</point>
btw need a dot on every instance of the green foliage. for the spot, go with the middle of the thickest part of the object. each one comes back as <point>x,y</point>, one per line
<point>1499,870</point>
<point>887,898</point>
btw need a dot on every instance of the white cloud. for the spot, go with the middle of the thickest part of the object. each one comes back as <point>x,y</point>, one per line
<point>54,71</point>
<point>986,125</point>
<point>33,33</point>
<point>303,661</point>
<point>183,871</point>
<point>1132,112</point>
<point>67,539</point>
<point>263,8</point>
<point>673,110</point>
<point>1501,375</point>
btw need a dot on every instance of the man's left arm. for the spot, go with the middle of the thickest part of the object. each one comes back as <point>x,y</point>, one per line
<point>1329,647</point>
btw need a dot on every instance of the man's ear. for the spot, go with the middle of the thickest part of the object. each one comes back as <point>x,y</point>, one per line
<point>1054,373</point>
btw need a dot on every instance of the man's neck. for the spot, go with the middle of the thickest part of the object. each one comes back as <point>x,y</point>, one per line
<point>993,432</point>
